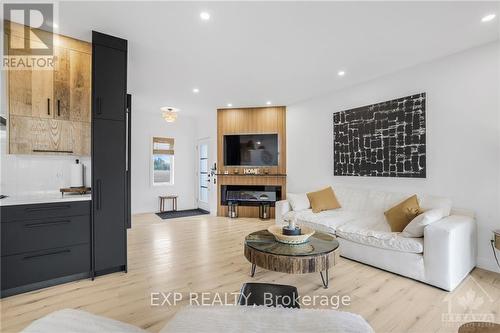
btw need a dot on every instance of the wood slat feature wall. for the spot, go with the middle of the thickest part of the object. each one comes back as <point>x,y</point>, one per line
<point>257,120</point>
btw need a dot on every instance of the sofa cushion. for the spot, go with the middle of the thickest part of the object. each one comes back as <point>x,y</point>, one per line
<point>330,219</point>
<point>298,201</point>
<point>352,198</point>
<point>367,199</point>
<point>256,319</point>
<point>416,227</point>
<point>400,215</point>
<point>381,239</point>
<point>324,199</point>
<point>78,321</point>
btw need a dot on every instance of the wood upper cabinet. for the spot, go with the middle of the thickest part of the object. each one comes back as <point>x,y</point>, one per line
<point>61,83</point>
<point>19,83</point>
<point>80,85</point>
<point>41,93</point>
<point>30,135</point>
<point>50,108</point>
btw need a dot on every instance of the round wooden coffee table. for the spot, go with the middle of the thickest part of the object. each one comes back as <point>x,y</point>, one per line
<point>318,254</point>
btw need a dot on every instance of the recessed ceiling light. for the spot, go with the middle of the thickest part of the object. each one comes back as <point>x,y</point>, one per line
<point>268,102</point>
<point>229,104</point>
<point>205,16</point>
<point>341,73</point>
<point>196,90</point>
<point>488,18</point>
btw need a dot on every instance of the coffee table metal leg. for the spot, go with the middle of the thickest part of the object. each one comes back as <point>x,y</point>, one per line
<point>325,281</point>
<point>252,273</point>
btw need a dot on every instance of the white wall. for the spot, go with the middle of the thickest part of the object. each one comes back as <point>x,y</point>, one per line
<point>463,135</point>
<point>145,125</point>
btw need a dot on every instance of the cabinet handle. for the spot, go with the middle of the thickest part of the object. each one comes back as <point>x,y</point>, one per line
<point>45,224</point>
<point>98,105</point>
<point>52,151</point>
<point>47,208</point>
<point>98,194</point>
<point>48,106</point>
<point>126,141</point>
<point>46,254</point>
<point>58,108</point>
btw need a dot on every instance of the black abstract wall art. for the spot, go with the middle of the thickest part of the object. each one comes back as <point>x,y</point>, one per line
<point>381,140</point>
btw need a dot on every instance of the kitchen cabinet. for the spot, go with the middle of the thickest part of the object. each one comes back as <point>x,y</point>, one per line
<point>108,161</point>
<point>61,83</point>
<point>30,135</point>
<point>44,245</point>
<point>19,82</point>
<point>55,102</point>
<point>111,101</point>
<point>80,85</point>
<point>110,153</point>
<point>42,90</point>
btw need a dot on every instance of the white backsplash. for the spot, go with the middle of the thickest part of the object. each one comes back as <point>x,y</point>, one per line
<point>26,174</point>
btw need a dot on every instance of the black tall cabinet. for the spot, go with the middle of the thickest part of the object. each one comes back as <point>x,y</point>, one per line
<point>110,154</point>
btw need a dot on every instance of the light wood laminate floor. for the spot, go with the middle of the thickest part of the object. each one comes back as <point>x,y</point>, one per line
<point>203,253</point>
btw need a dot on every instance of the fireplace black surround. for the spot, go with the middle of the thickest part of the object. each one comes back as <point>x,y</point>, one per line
<point>244,198</point>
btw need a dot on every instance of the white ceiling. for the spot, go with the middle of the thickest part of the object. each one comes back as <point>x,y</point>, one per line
<point>249,53</point>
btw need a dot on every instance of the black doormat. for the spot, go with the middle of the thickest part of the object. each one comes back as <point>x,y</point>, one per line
<point>181,213</point>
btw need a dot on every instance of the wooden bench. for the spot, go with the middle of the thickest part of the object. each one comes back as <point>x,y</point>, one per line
<point>164,198</point>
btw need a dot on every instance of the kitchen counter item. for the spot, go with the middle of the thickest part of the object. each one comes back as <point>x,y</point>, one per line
<point>76,174</point>
<point>76,190</point>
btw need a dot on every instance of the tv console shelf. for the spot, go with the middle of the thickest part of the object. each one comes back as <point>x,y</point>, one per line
<point>248,122</point>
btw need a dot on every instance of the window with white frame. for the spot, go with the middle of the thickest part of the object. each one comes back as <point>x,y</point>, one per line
<point>162,161</point>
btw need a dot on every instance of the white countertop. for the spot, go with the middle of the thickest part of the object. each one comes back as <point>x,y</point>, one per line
<point>42,197</point>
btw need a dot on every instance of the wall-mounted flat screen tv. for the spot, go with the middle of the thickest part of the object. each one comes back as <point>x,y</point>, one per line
<point>251,150</point>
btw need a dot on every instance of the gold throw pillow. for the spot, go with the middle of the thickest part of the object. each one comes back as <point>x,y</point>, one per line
<point>323,200</point>
<point>400,215</point>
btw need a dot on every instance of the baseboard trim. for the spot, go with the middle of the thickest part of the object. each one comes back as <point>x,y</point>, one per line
<point>488,264</point>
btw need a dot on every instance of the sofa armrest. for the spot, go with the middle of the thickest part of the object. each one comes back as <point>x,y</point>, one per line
<point>450,250</point>
<point>281,208</point>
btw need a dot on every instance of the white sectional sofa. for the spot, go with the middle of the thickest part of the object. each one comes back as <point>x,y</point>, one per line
<point>442,258</point>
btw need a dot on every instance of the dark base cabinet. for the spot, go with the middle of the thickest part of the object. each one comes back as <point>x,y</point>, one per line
<point>44,245</point>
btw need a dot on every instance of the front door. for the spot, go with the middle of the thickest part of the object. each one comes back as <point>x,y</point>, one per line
<point>203,175</point>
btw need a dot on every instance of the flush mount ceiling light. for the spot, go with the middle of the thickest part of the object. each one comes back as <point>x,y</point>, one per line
<point>488,18</point>
<point>169,113</point>
<point>341,73</point>
<point>205,16</point>
<point>196,90</point>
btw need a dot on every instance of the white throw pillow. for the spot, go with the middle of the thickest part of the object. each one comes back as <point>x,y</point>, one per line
<point>298,201</point>
<point>416,227</point>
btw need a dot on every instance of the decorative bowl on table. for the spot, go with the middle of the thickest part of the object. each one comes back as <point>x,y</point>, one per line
<point>277,232</point>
